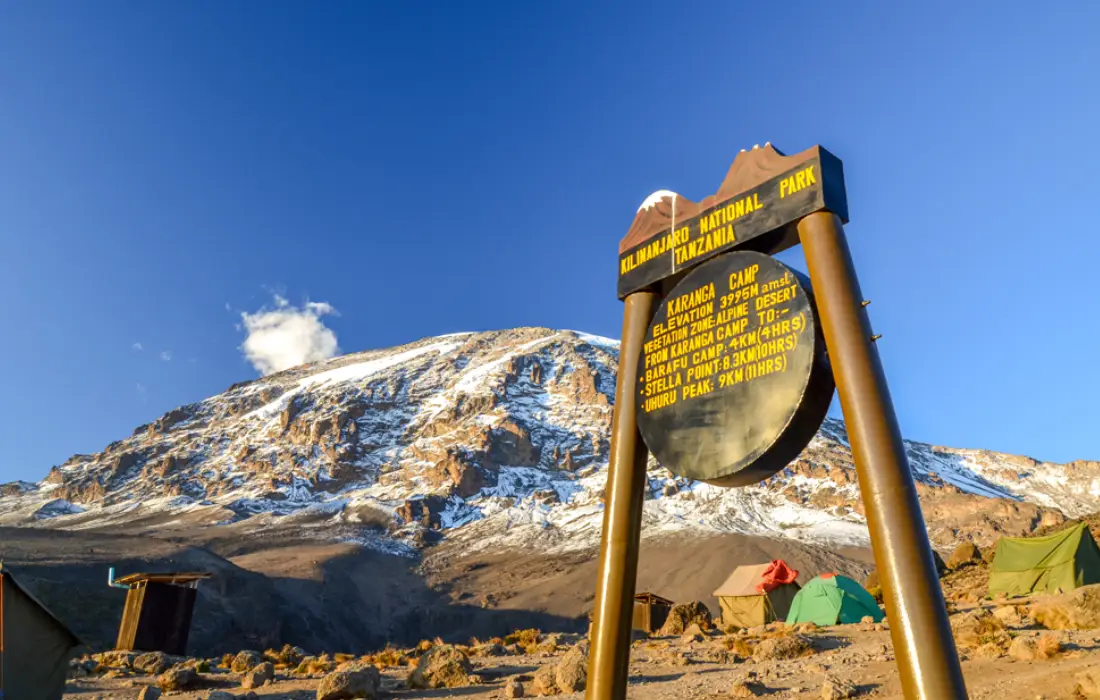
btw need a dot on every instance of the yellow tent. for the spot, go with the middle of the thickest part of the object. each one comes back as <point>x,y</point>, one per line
<point>742,602</point>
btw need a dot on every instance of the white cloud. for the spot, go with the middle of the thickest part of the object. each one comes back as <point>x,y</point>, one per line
<point>137,346</point>
<point>288,336</point>
<point>166,355</point>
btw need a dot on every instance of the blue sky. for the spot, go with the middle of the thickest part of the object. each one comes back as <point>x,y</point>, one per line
<point>431,167</point>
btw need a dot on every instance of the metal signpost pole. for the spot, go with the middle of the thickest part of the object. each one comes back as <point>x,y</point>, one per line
<point>927,660</point>
<point>609,657</point>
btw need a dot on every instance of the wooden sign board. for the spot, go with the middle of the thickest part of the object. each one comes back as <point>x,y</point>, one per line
<point>763,196</point>
<point>733,380</point>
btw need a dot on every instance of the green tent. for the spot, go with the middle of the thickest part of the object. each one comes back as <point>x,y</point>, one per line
<point>1056,563</point>
<point>830,599</point>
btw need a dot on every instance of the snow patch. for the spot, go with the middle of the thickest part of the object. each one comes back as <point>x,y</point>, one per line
<point>656,197</point>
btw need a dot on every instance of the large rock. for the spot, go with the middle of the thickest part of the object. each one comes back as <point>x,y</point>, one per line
<point>692,634</point>
<point>178,678</point>
<point>443,666</point>
<point>352,681</point>
<point>259,676</point>
<point>835,688</point>
<point>782,648</point>
<point>545,681</point>
<point>245,661</point>
<point>1077,610</point>
<point>513,689</point>
<point>572,672</point>
<point>116,659</point>
<point>964,554</point>
<point>149,692</point>
<point>683,615</point>
<point>154,663</point>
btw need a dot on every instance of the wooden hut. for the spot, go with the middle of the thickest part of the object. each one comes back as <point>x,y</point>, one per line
<point>650,612</point>
<point>157,616</point>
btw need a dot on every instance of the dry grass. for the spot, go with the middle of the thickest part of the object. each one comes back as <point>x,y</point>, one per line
<point>1049,646</point>
<point>343,658</point>
<point>424,645</point>
<point>739,645</point>
<point>389,658</point>
<point>1054,616</point>
<point>523,637</point>
<point>979,629</point>
<point>320,664</point>
<point>226,661</point>
<point>528,640</point>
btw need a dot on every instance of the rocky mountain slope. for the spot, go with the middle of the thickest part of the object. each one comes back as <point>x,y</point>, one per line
<point>493,441</point>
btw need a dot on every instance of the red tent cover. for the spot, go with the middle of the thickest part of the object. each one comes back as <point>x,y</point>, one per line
<point>777,574</point>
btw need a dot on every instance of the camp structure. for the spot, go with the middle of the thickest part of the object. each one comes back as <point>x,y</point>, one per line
<point>157,616</point>
<point>650,612</point>
<point>34,645</point>
<point>757,594</point>
<point>832,599</point>
<point>1055,563</point>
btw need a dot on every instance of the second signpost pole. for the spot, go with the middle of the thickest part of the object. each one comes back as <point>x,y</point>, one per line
<point>622,519</point>
<point>927,660</point>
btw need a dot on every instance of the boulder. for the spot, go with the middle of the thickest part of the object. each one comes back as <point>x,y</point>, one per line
<point>443,666</point>
<point>964,554</point>
<point>837,689</point>
<point>683,615</point>
<point>1024,649</point>
<point>1077,610</point>
<point>154,663</point>
<point>545,681</point>
<point>178,678</point>
<point>743,688</point>
<point>491,649</point>
<point>781,648</point>
<point>220,695</point>
<point>116,659</point>
<point>572,672</point>
<point>245,661</point>
<point>352,681</point>
<point>513,689</point>
<point>259,676</point>
<point>690,637</point>
<point>149,692</point>
<point>548,645</point>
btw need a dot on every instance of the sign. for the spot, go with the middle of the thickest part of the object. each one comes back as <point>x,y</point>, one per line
<point>756,208</point>
<point>733,380</point>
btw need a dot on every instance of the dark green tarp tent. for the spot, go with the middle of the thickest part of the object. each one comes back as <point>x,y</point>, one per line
<point>1056,563</point>
<point>34,646</point>
<point>831,599</point>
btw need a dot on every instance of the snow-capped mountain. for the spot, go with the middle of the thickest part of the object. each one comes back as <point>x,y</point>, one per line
<point>491,440</point>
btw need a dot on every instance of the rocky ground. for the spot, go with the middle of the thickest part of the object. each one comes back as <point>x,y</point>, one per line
<point>1040,648</point>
